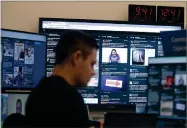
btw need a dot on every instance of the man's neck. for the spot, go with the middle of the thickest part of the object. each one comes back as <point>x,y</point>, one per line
<point>64,71</point>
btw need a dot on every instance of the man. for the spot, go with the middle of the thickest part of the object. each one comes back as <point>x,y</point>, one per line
<point>55,102</point>
<point>29,56</point>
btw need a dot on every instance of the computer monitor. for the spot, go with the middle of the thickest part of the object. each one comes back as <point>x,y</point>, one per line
<point>23,60</point>
<point>167,86</point>
<point>128,41</point>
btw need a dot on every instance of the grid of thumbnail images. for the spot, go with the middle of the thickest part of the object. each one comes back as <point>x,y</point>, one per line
<point>18,62</point>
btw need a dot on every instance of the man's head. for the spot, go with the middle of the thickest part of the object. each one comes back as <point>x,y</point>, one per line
<point>77,51</point>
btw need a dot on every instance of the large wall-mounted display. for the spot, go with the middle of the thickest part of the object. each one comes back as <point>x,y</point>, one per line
<point>121,70</point>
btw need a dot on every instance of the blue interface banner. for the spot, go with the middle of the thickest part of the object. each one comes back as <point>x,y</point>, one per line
<point>174,43</point>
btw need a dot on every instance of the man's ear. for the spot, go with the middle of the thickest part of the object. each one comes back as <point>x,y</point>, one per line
<point>76,57</point>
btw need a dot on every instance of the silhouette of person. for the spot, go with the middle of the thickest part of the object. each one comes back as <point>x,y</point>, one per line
<point>181,80</point>
<point>55,102</point>
<point>19,106</point>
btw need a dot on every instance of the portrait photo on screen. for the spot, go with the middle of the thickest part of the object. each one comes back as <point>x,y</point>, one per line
<point>140,56</point>
<point>8,79</point>
<point>29,55</point>
<point>166,107</point>
<point>8,50</point>
<point>18,75</point>
<point>114,55</point>
<point>50,53</point>
<point>18,106</point>
<point>19,51</point>
<point>167,82</point>
<point>180,79</point>
<point>16,103</point>
<point>28,76</point>
<point>113,83</point>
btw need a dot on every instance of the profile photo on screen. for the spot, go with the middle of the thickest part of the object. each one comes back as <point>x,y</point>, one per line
<point>29,55</point>
<point>8,50</point>
<point>167,82</point>
<point>138,56</point>
<point>114,55</point>
<point>50,53</point>
<point>8,79</point>
<point>18,106</point>
<point>19,51</point>
<point>18,76</point>
<point>180,80</point>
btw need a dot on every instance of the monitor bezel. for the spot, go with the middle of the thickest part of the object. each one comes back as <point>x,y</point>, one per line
<point>19,90</point>
<point>41,19</point>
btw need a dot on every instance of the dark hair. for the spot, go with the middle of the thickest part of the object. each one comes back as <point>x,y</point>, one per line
<point>71,41</point>
<point>113,50</point>
<point>18,100</point>
<point>14,120</point>
<point>20,107</point>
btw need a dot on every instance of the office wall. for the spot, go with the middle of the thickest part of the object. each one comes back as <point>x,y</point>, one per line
<point>24,15</point>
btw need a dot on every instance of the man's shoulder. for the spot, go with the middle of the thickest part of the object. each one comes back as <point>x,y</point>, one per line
<point>53,84</point>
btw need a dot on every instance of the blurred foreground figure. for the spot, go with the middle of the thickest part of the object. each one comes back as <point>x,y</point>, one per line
<point>55,102</point>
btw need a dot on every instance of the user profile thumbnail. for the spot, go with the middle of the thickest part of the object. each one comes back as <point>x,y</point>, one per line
<point>50,53</point>
<point>167,82</point>
<point>8,79</point>
<point>29,55</point>
<point>8,51</point>
<point>18,76</point>
<point>140,56</point>
<point>113,83</point>
<point>114,55</point>
<point>19,53</point>
<point>180,79</point>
